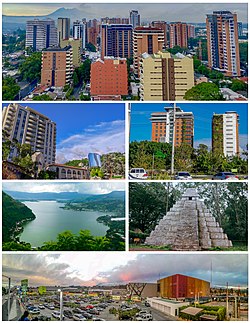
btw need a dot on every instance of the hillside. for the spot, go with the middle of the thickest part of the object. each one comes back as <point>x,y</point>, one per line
<point>13,213</point>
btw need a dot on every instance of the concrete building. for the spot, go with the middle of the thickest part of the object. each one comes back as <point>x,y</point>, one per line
<point>63,28</point>
<point>117,40</point>
<point>142,290</point>
<point>80,31</point>
<point>225,133</point>
<point>181,286</point>
<point>109,77</point>
<point>163,26</point>
<point>93,31</point>
<point>28,126</point>
<point>146,40</point>
<point>163,124</point>
<point>134,18</point>
<point>69,172</point>
<point>166,306</point>
<point>76,45</point>
<point>164,77</point>
<point>178,34</point>
<point>41,34</point>
<point>57,66</point>
<point>222,42</point>
<point>115,20</point>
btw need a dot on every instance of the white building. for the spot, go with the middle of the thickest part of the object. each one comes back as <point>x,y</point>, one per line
<point>41,34</point>
<point>79,31</point>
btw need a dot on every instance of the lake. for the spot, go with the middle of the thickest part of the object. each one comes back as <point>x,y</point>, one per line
<point>51,219</point>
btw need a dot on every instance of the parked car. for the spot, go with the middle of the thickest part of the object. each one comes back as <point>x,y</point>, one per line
<point>56,315</point>
<point>34,310</point>
<point>145,317</point>
<point>79,317</point>
<point>138,173</point>
<point>183,176</point>
<point>41,306</point>
<point>68,313</point>
<point>228,176</point>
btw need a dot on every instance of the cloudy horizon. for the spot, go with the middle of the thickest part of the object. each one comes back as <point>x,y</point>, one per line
<point>148,11</point>
<point>93,268</point>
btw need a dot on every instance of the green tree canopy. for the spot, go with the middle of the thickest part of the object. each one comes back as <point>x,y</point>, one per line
<point>204,92</point>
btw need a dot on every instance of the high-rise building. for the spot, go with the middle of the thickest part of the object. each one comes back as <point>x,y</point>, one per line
<point>116,41</point>
<point>178,34</point>
<point>41,34</point>
<point>76,45</point>
<point>163,126</point>
<point>146,40</point>
<point>163,26</point>
<point>225,133</point>
<point>63,28</point>
<point>115,20</point>
<point>79,31</point>
<point>181,286</point>
<point>28,126</point>
<point>93,31</point>
<point>240,29</point>
<point>163,77</point>
<point>191,31</point>
<point>134,18</point>
<point>57,66</point>
<point>94,160</point>
<point>222,42</point>
<point>109,77</point>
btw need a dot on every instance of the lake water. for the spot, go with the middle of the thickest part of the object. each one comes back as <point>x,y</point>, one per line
<point>51,220</point>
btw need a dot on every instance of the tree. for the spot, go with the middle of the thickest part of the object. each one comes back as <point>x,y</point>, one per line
<point>10,88</point>
<point>43,97</point>
<point>30,69</point>
<point>90,47</point>
<point>75,79</point>
<point>238,85</point>
<point>183,157</point>
<point>204,92</point>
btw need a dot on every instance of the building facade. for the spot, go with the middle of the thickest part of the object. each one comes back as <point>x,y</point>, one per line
<point>109,77</point>
<point>225,133</point>
<point>28,126</point>
<point>63,28</point>
<point>163,126</point>
<point>76,45</point>
<point>93,31</point>
<point>117,40</point>
<point>79,31</point>
<point>69,172</point>
<point>164,77</point>
<point>148,40</point>
<point>181,286</point>
<point>134,18</point>
<point>41,34</point>
<point>178,34</point>
<point>163,26</point>
<point>57,66</point>
<point>222,42</point>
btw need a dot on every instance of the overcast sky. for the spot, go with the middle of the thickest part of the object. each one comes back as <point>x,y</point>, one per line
<point>91,268</point>
<point>189,12</point>
<point>81,187</point>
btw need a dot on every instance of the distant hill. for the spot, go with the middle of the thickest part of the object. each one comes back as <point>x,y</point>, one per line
<point>13,212</point>
<point>70,196</point>
<point>11,23</point>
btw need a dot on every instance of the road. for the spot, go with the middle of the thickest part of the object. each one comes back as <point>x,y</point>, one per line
<point>157,315</point>
<point>77,90</point>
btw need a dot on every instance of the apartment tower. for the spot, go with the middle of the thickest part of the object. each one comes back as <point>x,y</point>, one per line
<point>28,126</point>
<point>146,40</point>
<point>163,126</point>
<point>164,77</point>
<point>225,133</point>
<point>116,40</point>
<point>163,26</point>
<point>41,34</point>
<point>79,31</point>
<point>57,66</point>
<point>134,18</point>
<point>63,28</point>
<point>222,42</point>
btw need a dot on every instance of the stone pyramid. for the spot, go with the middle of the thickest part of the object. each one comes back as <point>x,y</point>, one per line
<point>189,226</point>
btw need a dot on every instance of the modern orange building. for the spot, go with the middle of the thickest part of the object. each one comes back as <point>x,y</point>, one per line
<point>163,124</point>
<point>178,34</point>
<point>57,66</point>
<point>222,42</point>
<point>163,26</point>
<point>181,286</point>
<point>146,40</point>
<point>109,77</point>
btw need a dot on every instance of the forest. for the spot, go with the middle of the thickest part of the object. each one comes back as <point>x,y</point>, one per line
<point>227,202</point>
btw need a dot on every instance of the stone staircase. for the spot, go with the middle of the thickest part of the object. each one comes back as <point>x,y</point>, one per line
<point>188,226</point>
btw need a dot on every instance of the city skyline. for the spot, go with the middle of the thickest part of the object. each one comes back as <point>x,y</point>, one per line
<point>148,12</point>
<point>140,128</point>
<point>69,269</point>
<point>84,128</point>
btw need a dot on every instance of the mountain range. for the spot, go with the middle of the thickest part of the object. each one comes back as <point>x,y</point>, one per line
<point>70,196</point>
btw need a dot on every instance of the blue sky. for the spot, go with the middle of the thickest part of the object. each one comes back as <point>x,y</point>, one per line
<point>203,112</point>
<point>85,127</point>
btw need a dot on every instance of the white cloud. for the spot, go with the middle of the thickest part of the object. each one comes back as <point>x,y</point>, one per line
<point>102,138</point>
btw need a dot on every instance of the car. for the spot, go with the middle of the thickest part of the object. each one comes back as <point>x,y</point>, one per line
<point>34,310</point>
<point>228,176</point>
<point>97,319</point>
<point>68,313</point>
<point>145,317</point>
<point>79,317</point>
<point>41,306</point>
<point>56,315</point>
<point>147,304</point>
<point>51,307</point>
<point>138,173</point>
<point>183,176</point>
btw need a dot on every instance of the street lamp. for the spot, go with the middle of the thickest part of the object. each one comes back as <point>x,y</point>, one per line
<point>61,304</point>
